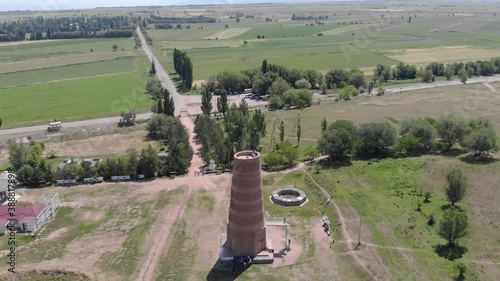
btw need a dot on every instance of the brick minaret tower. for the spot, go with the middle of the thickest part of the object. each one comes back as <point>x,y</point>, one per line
<point>246,231</point>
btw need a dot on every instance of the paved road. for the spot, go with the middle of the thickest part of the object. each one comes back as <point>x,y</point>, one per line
<point>77,124</point>
<point>420,86</point>
<point>163,75</point>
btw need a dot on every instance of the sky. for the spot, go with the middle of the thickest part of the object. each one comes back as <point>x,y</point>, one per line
<point>11,5</point>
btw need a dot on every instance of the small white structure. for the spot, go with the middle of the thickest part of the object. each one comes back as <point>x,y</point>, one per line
<point>92,162</point>
<point>211,166</point>
<point>70,161</point>
<point>163,156</point>
<point>4,185</point>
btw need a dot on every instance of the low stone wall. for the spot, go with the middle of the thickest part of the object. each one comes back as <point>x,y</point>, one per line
<point>279,197</point>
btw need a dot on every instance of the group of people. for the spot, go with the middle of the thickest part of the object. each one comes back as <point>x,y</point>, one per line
<point>200,172</point>
<point>326,227</point>
<point>246,261</point>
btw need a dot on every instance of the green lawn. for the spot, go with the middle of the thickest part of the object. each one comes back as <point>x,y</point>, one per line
<point>72,100</point>
<point>119,65</point>
<point>50,48</point>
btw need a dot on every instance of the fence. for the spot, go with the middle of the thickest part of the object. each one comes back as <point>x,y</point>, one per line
<point>97,180</point>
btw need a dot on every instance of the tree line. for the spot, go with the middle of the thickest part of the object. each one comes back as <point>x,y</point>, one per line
<point>239,129</point>
<point>296,17</point>
<point>82,34</point>
<point>82,26</point>
<point>175,20</point>
<point>275,80</point>
<point>402,71</point>
<point>183,67</point>
<point>163,102</point>
<point>343,140</point>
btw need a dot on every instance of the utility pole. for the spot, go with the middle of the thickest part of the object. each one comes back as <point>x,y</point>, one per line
<point>359,233</point>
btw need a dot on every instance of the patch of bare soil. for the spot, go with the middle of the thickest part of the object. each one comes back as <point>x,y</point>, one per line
<point>325,256</point>
<point>48,274</point>
<point>100,145</point>
<point>92,216</point>
<point>87,250</point>
<point>198,83</point>
<point>4,156</point>
<point>283,257</point>
<point>57,233</point>
<point>210,225</point>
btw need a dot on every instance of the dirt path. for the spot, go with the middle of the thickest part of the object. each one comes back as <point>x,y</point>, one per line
<point>345,233</point>
<point>455,24</point>
<point>67,79</point>
<point>493,89</point>
<point>197,161</point>
<point>161,237</point>
<point>162,229</point>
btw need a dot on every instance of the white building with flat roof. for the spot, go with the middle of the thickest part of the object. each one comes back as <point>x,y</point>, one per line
<point>4,185</point>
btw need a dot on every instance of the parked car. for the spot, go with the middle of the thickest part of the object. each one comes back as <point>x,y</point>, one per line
<point>249,95</point>
<point>266,97</point>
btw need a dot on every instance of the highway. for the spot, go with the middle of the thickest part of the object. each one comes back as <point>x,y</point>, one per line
<point>162,75</point>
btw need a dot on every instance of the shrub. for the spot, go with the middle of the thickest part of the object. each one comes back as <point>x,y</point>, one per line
<point>427,196</point>
<point>302,84</point>
<point>431,220</point>
<point>274,160</point>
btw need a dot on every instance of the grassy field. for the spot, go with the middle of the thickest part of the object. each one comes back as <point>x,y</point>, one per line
<point>386,194</point>
<point>74,71</point>
<point>72,100</point>
<point>422,57</point>
<point>17,51</point>
<point>283,31</point>
<point>87,80</point>
<point>17,66</point>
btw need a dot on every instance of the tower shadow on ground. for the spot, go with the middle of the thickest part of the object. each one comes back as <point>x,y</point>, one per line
<point>218,273</point>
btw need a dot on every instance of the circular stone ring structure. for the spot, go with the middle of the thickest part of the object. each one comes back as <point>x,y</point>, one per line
<point>289,197</point>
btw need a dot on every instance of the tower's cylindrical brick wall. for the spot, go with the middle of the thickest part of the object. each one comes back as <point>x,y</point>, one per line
<point>246,232</point>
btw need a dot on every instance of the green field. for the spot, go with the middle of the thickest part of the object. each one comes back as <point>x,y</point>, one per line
<point>69,80</point>
<point>284,31</point>
<point>119,65</point>
<point>49,48</point>
<point>85,98</point>
<point>211,62</point>
<point>350,39</point>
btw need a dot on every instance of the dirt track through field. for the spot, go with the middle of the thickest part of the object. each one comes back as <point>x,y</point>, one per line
<point>162,229</point>
<point>161,233</point>
<point>493,89</point>
<point>346,234</point>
